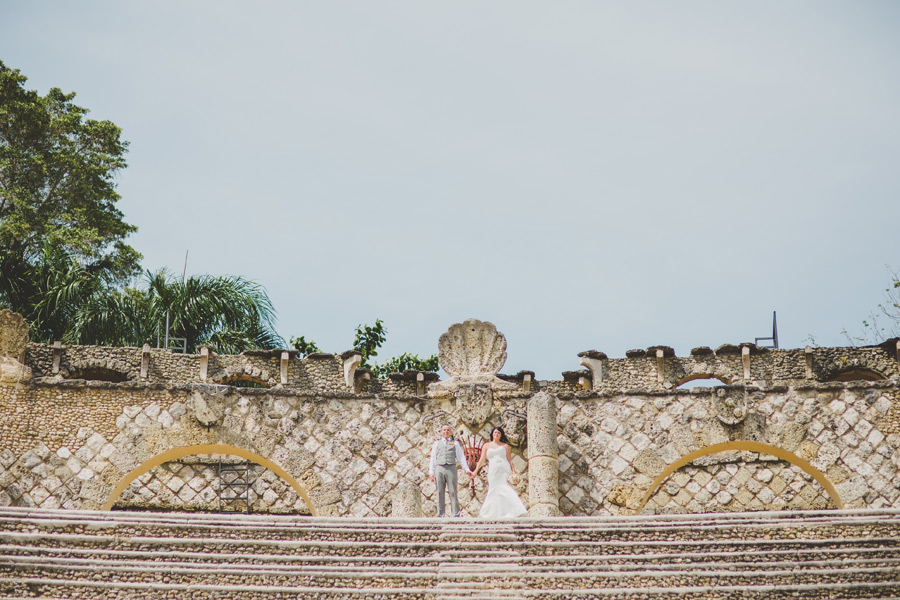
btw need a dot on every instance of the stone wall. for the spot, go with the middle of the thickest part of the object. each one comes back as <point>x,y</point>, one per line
<point>640,370</point>
<point>81,421</point>
<point>70,443</point>
<point>612,448</point>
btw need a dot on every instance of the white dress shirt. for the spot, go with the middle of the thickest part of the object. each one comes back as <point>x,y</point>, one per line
<point>460,455</point>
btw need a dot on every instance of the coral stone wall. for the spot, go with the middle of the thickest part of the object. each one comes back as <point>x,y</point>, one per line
<point>613,447</point>
<point>70,443</point>
<point>80,421</point>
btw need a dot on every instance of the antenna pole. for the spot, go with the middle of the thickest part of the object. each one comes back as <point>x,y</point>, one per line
<point>775,329</point>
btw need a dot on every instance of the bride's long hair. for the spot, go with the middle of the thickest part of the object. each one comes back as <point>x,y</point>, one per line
<point>503,438</point>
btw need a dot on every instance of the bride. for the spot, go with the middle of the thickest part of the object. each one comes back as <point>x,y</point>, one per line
<point>501,501</point>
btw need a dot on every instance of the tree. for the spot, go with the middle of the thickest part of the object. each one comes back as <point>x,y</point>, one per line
<point>57,182</point>
<point>409,362</point>
<point>303,347</point>
<point>884,321</point>
<point>367,340</point>
<point>63,259</point>
<point>228,313</point>
<point>48,290</point>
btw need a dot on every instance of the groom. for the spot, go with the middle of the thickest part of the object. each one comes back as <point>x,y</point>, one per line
<point>445,454</point>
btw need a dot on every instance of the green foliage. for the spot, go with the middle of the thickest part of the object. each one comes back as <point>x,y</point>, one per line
<point>228,313</point>
<point>63,301</point>
<point>408,362</point>
<point>61,235</point>
<point>367,341</point>
<point>883,322</point>
<point>303,347</point>
<point>57,182</point>
<point>48,290</point>
<point>63,261</point>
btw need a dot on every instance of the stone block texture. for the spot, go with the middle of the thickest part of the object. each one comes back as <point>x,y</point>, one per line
<point>88,417</point>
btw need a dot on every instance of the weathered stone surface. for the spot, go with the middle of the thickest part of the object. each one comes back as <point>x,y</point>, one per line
<point>325,494</point>
<point>474,402</point>
<point>731,406</point>
<point>13,334</point>
<point>514,424</point>
<point>544,510</point>
<point>542,425</point>
<point>13,372</point>
<point>204,413</point>
<point>406,501</point>
<point>852,490</point>
<point>13,341</point>
<point>543,453</point>
<point>59,435</point>
<point>792,436</point>
<point>649,463</point>
<point>471,352</point>
<point>472,349</point>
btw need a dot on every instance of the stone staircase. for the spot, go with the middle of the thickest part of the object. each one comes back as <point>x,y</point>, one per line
<point>138,555</point>
<point>489,570</point>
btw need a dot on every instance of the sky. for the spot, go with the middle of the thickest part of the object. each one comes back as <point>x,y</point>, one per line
<point>583,174</point>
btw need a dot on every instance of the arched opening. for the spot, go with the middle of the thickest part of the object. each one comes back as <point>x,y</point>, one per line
<point>245,381</point>
<point>183,451</point>
<point>701,380</point>
<point>748,446</point>
<point>99,374</point>
<point>857,374</point>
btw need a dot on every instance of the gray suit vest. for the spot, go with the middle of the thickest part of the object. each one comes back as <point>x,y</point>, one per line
<point>446,453</point>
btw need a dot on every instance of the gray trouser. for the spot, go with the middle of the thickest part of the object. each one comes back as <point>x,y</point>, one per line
<point>445,475</point>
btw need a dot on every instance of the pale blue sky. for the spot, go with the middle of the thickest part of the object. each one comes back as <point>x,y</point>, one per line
<point>606,175</point>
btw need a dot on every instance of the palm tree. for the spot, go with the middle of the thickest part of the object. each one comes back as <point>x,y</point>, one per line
<point>48,290</point>
<point>64,299</point>
<point>229,313</point>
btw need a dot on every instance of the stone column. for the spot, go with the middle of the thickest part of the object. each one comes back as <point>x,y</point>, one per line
<point>543,457</point>
<point>406,501</point>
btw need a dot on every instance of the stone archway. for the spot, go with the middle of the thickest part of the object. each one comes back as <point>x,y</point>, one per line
<point>176,453</point>
<point>857,374</point>
<point>712,377</point>
<point>743,445</point>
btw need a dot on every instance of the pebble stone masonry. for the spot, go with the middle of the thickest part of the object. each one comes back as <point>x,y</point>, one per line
<point>89,427</point>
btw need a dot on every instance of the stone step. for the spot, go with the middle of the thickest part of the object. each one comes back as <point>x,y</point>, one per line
<point>885,530</point>
<point>461,559</point>
<point>765,550</point>
<point>209,575</point>
<point>606,546</point>
<point>474,585</point>
<point>563,525</point>
<point>377,570</point>
<point>58,589</point>
<point>113,590</point>
<point>83,554</point>
<point>672,576</point>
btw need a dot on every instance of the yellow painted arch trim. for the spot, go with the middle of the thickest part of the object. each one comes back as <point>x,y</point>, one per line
<point>748,446</point>
<point>176,453</point>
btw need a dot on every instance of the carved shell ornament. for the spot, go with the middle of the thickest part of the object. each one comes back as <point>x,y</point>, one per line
<point>472,348</point>
<point>472,353</point>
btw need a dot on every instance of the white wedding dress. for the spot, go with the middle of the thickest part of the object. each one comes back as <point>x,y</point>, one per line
<point>501,501</point>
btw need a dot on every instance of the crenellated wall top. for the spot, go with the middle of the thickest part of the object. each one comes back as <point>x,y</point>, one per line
<point>654,369</point>
<point>471,352</point>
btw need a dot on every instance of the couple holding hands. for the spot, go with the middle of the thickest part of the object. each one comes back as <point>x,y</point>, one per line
<point>501,501</point>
